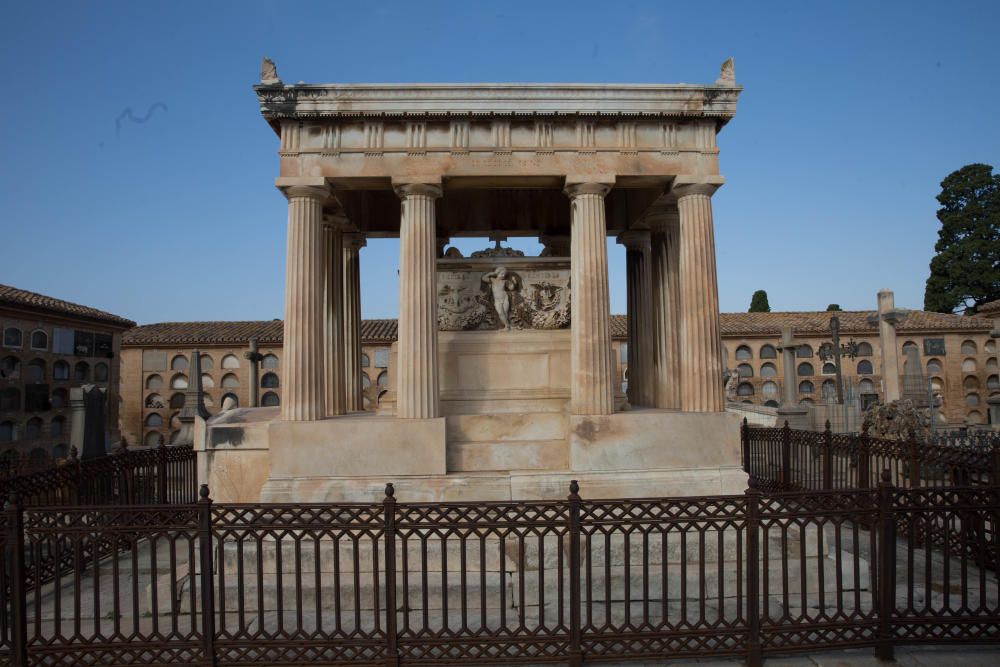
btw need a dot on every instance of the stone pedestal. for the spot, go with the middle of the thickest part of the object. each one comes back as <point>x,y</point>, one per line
<point>591,361</point>
<point>303,364</point>
<point>701,342</point>
<point>887,340</point>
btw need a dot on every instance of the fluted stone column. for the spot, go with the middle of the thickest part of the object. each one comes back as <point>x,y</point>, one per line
<point>417,387</point>
<point>665,300</point>
<point>590,339</point>
<point>638,270</point>
<point>335,386</point>
<point>353,243</point>
<point>303,394</point>
<point>701,343</point>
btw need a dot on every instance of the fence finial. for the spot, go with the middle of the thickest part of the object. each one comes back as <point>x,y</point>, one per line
<point>574,487</point>
<point>73,453</point>
<point>827,424</point>
<point>390,491</point>
<point>12,499</point>
<point>886,476</point>
<point>203,492</point>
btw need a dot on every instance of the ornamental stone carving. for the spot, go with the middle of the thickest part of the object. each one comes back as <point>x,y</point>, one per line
<point>509,293</point>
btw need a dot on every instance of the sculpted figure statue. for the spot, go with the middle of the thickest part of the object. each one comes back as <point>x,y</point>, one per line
<point>268,71</point>
<point>501,285</point>
<point>732,381</point>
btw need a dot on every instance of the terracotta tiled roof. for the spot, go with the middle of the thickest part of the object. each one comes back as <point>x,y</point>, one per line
<point>384,331</point>
<point>19,298</point>
<point>378,331</point>
<point>990,308</point>
<point>205,333</point>
<point>851,321</point>
<point>267,332</point>
<point>619,326</point>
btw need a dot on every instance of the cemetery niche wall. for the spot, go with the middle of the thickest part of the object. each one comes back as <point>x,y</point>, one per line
<point>504,384</point>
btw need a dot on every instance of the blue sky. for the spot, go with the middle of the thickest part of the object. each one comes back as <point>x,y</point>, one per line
<point>852,114</point>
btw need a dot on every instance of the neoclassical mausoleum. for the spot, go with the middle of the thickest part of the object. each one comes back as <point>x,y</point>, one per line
<point>504,382</point>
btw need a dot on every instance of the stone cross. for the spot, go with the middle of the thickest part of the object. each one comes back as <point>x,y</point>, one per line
<point>94,434</point>
<point>788,346</point>
<point>254,357</point>
<point>194,402</point>
<point>887,318</point>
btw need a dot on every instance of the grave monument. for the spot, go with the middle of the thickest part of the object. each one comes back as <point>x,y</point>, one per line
<point>505,384</point>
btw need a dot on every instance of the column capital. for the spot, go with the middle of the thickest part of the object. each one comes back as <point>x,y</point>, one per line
<point>426,187</point>
<point>307,191</point>
<point>661,218</point>
<point>635,239</point>
<point>355,240</point>
<point>338,223</point>
<point>588,185</point>
<point>689,186</point>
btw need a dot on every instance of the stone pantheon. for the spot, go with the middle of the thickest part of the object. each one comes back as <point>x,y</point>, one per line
<point>571,164</point>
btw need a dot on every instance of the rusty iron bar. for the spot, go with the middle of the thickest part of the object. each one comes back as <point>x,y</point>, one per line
<point>14,516</point>
<point>886,567</point>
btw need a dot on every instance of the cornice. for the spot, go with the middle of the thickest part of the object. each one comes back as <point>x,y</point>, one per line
<point>485,101</point>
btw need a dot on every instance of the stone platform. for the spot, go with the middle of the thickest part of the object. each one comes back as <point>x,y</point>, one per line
<point>640,453</point>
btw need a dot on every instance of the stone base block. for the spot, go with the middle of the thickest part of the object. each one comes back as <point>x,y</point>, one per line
<point>649,439</point>
<point>357,444</point>
<point>797,418</point>
<point>499,486</point>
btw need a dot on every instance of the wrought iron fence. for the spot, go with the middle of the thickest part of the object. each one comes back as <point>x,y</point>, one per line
<point>505,582</point>
<point>785,459</point>
<point>125,477</point>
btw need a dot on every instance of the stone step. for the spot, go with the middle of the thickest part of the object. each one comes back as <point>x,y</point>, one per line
<point>506,427</point>
<point>508,455</point>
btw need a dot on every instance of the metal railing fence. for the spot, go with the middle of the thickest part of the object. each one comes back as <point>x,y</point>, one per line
<point>570,581</point>
<point>124,477</point>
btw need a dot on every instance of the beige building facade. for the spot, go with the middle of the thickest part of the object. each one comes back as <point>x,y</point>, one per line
<point>156,360</point>
<point>964,377</point>
<point>49,347</point>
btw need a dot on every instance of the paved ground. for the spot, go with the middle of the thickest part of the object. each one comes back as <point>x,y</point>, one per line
<point>970,656</point>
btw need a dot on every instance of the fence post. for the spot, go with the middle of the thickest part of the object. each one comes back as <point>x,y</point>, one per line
<point>754,654</point>
<point>745,444</point>
<point>123,459</point>
<point>206,580</point>
<point>995,468</point>
<point>913,462</point>
<point>575,652</point>
<point>786,457</point>
<point>389,530</point>
<point>75,475</point>
<point>864,461</point>
<point>18,591</point>
<point>886,568</point>
<point>161,473</point>
<point>827,457</point>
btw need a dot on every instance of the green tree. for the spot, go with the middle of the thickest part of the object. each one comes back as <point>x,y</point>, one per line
<point>758,302</point>
<point>965,272</point>
<point>833,307</point>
